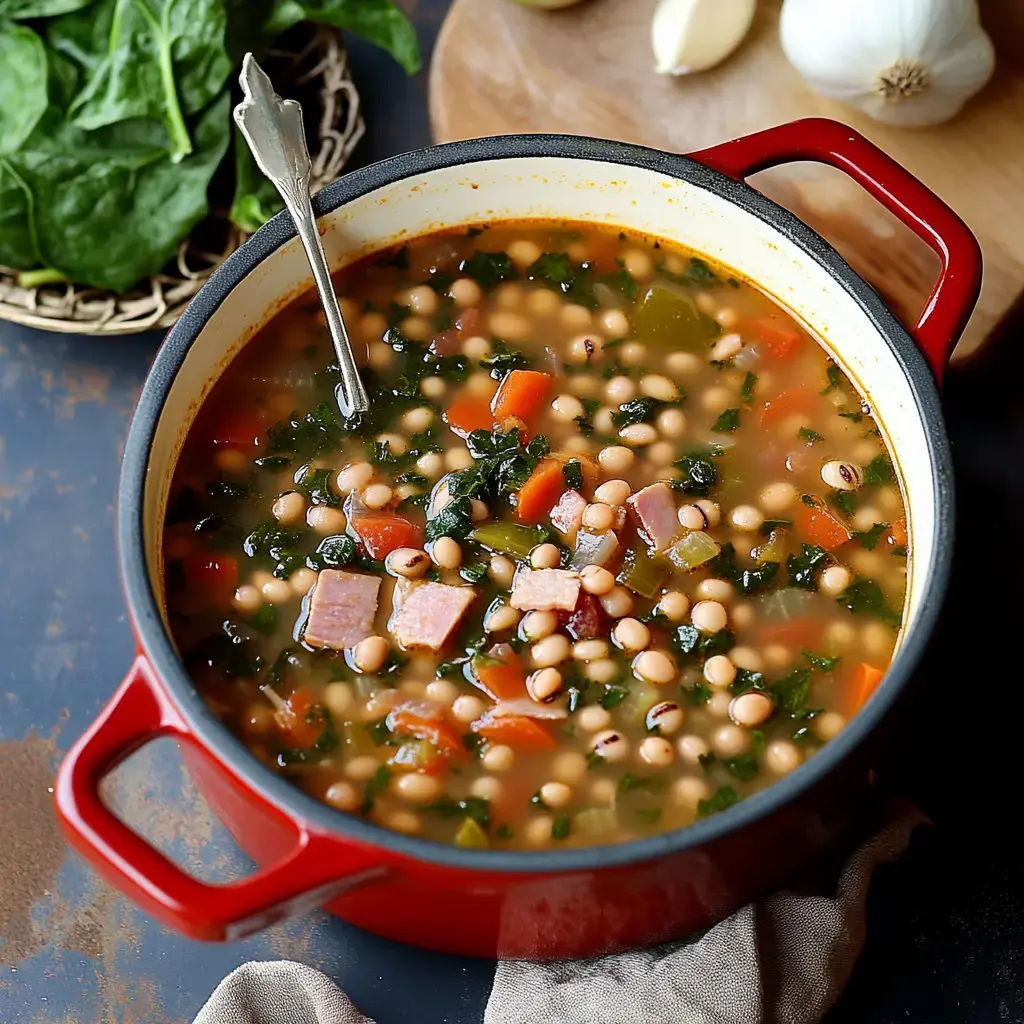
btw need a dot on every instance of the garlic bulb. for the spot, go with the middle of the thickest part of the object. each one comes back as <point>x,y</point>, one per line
<point>694,35</point>
<point>906,62</point>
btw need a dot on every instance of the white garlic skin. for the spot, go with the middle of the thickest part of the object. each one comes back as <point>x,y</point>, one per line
<point>694,35</point>
<point>902,62</point>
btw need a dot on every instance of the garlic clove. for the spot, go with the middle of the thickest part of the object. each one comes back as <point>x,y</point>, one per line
<point>694,35</point>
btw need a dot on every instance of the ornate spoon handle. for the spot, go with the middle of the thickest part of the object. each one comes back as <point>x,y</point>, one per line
<point>273,129</point>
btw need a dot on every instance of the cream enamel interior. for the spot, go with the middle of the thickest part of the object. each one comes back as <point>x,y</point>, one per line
<point>574,189</point>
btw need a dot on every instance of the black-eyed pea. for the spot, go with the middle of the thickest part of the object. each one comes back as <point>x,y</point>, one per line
<point>487,787</point>
<point>536,625</point>
<point>781,757</point>
<point>416,420</point>
<point>719,671</point>
<point>615,459</point>
<point>289,508</point>
<point>777,497</point>
<point>730,740</point>
<point>468,708</point>
<point>339,698</point>
<point>555,795</point>
<point>726,347</point>
<point>689,791</point>
<point>370,654</point>
<point>544,303</point>
<point>361,768</point>
<point>457,458</point>
<point>709,616</point>
<point>478,511</point>
<point>828,725</point>
<point>444,691</point>
<point>717,705</point>
<point>602,791</point>
<point>842,476</point>
<point>655,667</point>
<point>613,492</point>
<point>674,605</point>
<point>433,387</point>
<point>776,655</point>
<point>259,720</point>
<point>380,703</point>
<point>523,252</point>
<point>637,264</point>
<point>397,445</point>
<point>545,685</point>
<point>597,580</point>
<point>410,563</point>
<point>406,822</point>
<point>743,615</point>
<point>654,385</point>
<point>603,670</point>
<point>302,581</point>
<point>631,635</point>
<point>276,591</point>
<point>751,709</point>
<point>712,513</point>
<point>465,292</point>
<point>501,569</point>
<point>617,603</point>
<point>671,423</point>
<point>746,517</point>
<point>325,520</point>
<point>354,477</point>
<point>661,454</point>
<point>610,745</point>
<point>343,796</point>
<point>584,348</point>
<point>714,589</point>
<point>417,788</point>
<point>569,766</point>
<point>727,318</point>
<point>866,517</point>
<point>567,408</point>
<point>614,323</point>
<point>372,326</point>
<point>593,718</point>
<point>446,553</point>
<point>501,616</point>
<point>431,465</point>
<point>683,364</point>
<point>716,399</point>
<point>638,435</point>
<point>656,751</point>
<point>247,598</point>
<point>746,658</point>
<point>692,748</point>
<point>834,580</point>
<point>589,650</point>
<point>550,651</point>
<point>499,758</point>
<point>665,718</point>
<point>620,389</point>
<point>537,831</point>
<point>231,461</point>
<point>545,556</point>
<point>876,637</point>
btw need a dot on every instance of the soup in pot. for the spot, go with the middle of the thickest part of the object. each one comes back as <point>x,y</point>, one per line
<point>616,545</point>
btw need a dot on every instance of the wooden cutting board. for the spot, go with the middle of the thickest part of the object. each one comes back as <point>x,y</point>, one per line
<point>500,68</point>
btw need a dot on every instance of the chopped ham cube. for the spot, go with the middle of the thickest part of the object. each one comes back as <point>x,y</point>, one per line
<point>585,621</point>
<point>546,590</point>
<point>567,515</point>
<point>342,608</point>
<point>429,613</point>
<point>655,507</point>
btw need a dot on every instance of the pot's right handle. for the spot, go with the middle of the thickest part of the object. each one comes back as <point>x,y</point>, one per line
<point>819,139</point>
<point>308,876</point>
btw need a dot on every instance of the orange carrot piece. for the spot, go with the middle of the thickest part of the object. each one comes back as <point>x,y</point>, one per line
<point>383,532</point>
<point>522,393</point>
<point>434,730</point>
<point>518,731</point>
<point>785,404</point>
<point>817,525</point>
<point>780,338</point>
<point>539,495</point>
<point>294,719</point>
<point>864,683</point>
<point>898,531</point>
<point>470,412</point>
<point>500,673</point>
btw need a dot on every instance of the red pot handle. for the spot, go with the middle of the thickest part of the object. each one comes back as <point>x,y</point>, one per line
<point>308,876</point>
<point>819,139</point>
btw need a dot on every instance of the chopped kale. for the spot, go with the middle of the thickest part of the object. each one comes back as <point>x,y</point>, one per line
<point>474,807</point>
<point>803,569</point>
<point>865,596</point>
<point>332,553</point>
<point>640,410</point>
<point>504,359</point>
<point>326,743</point>
<point>474,572</point>
<point>870,538</point>
<point>614,694</point>
<point>746,680</point>
<point>594,760</point>
<point>649,783</point>
<point>810,436</point>
<point>584,423</point>
<point>264,619</point>
<point>820,663</point>
<point>835,378</point>
<point>727,422</point>
<point>304,436</point>
<point>287,657</point>
<point>377,785</point>
<point>843,501</point>
<point>747,388</point>
<point>743,766</point>
<point>853,417</point>
<point>697,472</point>
<point>699,272</point>
<point>560,827</point>
<point>574,281</point>
<point>790,692</point>
<point>379,732</point>
<point>691,642</point>
<point>723,798</point>
<point>879,471</point>
<point>572,471</point>
<point>622,281</point>
<point>454,520</point>
<point>272,462</point>
<point>489,268</point>
<point>504,832</point>
<point>746,581</point>
<point>696,695</point>
<point>317,485</point>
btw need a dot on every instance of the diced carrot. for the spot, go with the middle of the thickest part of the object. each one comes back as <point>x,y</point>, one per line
<point>296,721</point>
<point>898,532</point>
<point>469,412</point>
<point>383,532</point>
<point>522,393</point>
<point>237,429</point>
<point>500,673</point>
<point>786,404</point>
<point>798,634</point>
<point>539,495</point>
<point>817,525</point>
<point>436,730</point>
<point>780,338</point>
<point>518,731</point>
<point>864,683</point>
<point>213,577</point>
<point>603,251</point>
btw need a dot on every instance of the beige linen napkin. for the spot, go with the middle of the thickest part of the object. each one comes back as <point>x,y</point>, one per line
<point>783,960</point>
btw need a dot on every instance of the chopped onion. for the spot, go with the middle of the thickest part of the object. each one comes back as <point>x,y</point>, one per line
<point>593,549</point>
<point>785,604</point>
<point>747,358</point>
<point>524,707</point>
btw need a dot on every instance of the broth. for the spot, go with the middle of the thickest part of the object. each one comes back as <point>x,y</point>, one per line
<point>616,545</point>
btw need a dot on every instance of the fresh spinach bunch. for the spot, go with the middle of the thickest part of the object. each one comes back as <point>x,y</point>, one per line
<point>115,117</point>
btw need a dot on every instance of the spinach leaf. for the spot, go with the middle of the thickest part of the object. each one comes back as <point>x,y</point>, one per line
<point>879,471</point>
<point>869,538</point>
<point>747,389</point>
<point>727,422</point>
<point>803,568</point>
<point>642,410</point>
<point>489,268</point>
<point>690,641</point>
<point>865,596</point>
<point>557,271</point>
<point>790,692</point>
<point>24,95</point>
<point>810,436</point>
<point>379,22</point>
<point>474,807</point>
<point>697,472</point>
<point>503,359</point>
<point>161,60</point>
<point>723,798</point>
<point>746,581</point>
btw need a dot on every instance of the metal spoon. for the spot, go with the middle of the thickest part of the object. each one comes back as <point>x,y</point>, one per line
<point>273,129</point>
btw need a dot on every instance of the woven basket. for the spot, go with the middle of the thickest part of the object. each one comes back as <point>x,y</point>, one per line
<point>316,66</point>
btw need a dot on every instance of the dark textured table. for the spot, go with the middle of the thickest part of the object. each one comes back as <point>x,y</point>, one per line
<point>945,925</point>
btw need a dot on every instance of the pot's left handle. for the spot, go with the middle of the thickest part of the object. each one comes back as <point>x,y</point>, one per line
<point>819,139</point>
<point>309,875</point>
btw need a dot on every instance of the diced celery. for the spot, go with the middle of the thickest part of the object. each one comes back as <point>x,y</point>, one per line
<point>775,550</point>
<point>509,538</point>
<point>471,834</point>
<point>668,315</point>
<point>595,821</point>
<point>643,572</point>
<point>693,550</point>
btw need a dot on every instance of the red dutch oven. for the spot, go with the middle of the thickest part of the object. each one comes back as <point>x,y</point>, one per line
<point>555,903</point>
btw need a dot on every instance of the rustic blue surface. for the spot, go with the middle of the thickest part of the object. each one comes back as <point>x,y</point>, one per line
<point>945,925</point>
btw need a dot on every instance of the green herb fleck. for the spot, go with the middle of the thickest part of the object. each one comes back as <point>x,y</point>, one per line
<point>870,538</point>
<point>810,436</point>
<point>572,471</point>
<point>723,798</point>
<point>747,388</point>
<point>560,827</point>
<point>727,422</point>
<point>879,471</point>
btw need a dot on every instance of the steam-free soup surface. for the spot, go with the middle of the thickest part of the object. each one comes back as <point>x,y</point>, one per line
<point>616,545</point>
